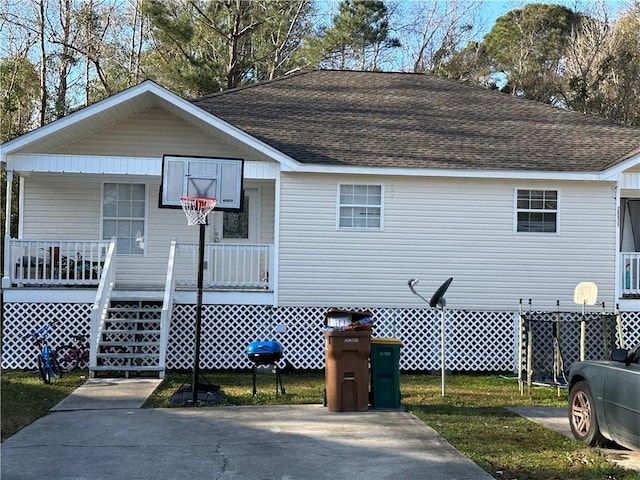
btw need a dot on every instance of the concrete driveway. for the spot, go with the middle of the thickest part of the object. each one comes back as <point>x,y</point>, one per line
<point>99,432</point>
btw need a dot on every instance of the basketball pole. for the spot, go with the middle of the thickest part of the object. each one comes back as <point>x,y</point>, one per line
<point>443,362</point>
<point>196,349</point>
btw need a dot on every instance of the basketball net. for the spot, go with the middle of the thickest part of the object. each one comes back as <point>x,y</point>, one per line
<point>196,209</point>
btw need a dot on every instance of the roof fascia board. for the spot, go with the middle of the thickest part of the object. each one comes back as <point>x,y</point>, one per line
<point>620,168</point>
<point>454,173</point>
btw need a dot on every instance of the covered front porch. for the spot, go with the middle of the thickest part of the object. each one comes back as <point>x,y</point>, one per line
<point>80,263</point>
<point>629,263</point>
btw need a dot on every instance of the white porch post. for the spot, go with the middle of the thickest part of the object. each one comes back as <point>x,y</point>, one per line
<point>619,268</point>
<point>6,276</point>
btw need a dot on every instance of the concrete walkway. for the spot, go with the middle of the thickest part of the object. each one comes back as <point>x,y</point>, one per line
<point>99,432</point>
<point>108,394</point>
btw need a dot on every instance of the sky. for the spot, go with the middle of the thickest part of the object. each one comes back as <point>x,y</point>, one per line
<point>497,8</point>
<point>491,10</point>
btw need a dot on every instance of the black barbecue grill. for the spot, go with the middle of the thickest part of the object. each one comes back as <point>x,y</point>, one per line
<point>265,354</point>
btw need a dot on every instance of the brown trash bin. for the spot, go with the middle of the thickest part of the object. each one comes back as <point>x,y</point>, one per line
<point>347,370</point>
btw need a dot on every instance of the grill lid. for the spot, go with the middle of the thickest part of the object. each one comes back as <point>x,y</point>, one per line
<point>264,353</point>
<point>257,348</point>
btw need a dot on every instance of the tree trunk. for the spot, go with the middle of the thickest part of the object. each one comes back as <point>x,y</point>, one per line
<point>63,72</point>
<point>43,63</point>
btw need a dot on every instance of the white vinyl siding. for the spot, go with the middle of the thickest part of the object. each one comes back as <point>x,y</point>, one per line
<point>46,201</point>
<point>153,133</point>
<point>267,211</point>
<point>438,228</point>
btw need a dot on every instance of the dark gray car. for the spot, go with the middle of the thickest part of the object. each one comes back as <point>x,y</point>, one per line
<point>604,399</point>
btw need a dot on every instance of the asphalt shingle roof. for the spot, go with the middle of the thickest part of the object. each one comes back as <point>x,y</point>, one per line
<point>374,119</point>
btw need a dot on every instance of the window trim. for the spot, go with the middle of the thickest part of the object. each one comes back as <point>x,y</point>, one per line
<point>145,218</point>
<point>517,210</point>
<point>339,206</point>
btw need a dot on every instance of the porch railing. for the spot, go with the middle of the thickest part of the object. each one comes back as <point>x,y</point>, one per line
<point>167,307</point>
<point>225,266</point>
<point>630,273</point>
<point>54,262</point>
<point>102,301</point>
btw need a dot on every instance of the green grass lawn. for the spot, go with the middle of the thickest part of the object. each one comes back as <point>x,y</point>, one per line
<point>472,417</point>
<point>24,397</point>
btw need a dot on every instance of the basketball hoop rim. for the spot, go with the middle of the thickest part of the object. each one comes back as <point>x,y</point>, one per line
<point>197,209</point>
<point>200,202</point>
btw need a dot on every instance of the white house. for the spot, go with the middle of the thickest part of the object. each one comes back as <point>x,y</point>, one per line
<point>353,183</point>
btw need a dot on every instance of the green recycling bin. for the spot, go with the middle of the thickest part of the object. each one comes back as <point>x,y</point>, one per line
<point>385,372</point>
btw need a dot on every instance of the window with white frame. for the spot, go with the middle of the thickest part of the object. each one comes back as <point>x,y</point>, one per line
<point>123,216</point>
<point>537,211</point>
<point>360,207</point>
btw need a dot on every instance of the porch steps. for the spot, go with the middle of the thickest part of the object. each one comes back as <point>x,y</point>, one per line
<point>129,340</point>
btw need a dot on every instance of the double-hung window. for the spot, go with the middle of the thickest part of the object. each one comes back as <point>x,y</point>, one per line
<point>537,211</point>
<point>123,216</point>
<point>359,207</point>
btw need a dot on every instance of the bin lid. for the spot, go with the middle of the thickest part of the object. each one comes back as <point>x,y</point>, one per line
<point>349,314</point>
<point>394,341</point>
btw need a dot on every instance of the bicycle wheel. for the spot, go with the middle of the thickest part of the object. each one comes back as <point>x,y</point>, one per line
<point>45,373</point>
<point>68,358</point>
<point>56,371</point>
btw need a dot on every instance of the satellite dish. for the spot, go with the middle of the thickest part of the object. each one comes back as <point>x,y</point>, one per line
<point>437,296</point>
<point>586,293</point>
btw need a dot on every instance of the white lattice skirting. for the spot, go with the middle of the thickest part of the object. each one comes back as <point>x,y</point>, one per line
<point>475,341</point>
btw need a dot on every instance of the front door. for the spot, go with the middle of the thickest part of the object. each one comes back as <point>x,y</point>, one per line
<point>630,225</point>
<point>630,245</point>
<point>231,259</point>
<point>238,227</point>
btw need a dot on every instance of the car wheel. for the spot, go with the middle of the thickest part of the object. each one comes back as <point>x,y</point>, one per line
<point>582,415</point>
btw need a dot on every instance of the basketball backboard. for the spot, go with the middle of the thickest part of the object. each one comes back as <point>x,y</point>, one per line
<point>206,177</point>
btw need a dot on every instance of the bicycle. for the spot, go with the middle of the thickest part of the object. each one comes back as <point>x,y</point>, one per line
<point>71,357</point>
<point>47,360</point>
